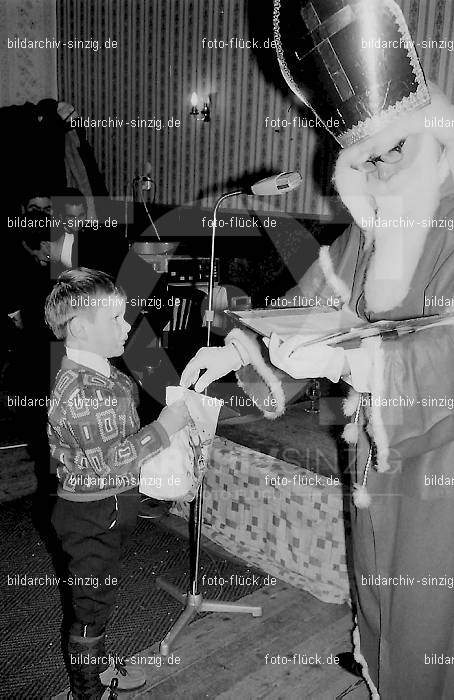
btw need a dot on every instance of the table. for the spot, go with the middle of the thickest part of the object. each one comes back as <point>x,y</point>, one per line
<point>286,520</point>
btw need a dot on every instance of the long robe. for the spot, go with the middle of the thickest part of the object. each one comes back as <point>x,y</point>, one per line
<point>407,532</point>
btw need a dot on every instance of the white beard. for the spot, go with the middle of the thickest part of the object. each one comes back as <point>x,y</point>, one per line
<point>411,197</point>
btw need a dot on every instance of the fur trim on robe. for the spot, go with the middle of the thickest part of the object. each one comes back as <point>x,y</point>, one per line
<point>331,277</point>
<point>374,345</point>
<point>251,348</point>
<point>359,658</point>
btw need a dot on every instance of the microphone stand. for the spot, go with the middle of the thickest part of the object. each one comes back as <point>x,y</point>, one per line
<point>193,600</point>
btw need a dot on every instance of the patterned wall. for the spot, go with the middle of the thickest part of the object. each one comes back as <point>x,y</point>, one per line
<point>161,59</point>
<point>27,74</point>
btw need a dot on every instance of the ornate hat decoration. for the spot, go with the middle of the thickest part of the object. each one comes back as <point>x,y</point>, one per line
<point>352,62</point>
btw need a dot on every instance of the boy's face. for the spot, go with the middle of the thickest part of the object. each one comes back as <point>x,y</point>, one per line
<point>104,329</point>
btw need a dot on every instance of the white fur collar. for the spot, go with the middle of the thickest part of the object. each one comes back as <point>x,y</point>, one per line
<point>336,283</point>
<point>391,268</point>
<point>395,217</point>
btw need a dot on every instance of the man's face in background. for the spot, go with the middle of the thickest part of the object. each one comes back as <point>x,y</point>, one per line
<point>38,209</point>
<point>38,206</point>
<point>73,217</point>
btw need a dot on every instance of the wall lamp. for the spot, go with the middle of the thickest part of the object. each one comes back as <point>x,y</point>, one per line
<point>204,115</point>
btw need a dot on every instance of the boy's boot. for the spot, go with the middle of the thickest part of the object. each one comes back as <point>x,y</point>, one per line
<point>120,672</point>
<point>108,694</point>
<point>84,659</point>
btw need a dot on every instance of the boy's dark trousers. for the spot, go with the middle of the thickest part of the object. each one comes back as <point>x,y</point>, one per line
<point>92,535</point>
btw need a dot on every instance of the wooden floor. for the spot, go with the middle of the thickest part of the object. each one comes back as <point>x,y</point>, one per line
<point>224,656</point>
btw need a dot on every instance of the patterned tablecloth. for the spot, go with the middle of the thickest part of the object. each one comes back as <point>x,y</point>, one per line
<point>284,519</point>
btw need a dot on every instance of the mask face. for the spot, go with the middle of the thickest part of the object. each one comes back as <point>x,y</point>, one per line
<point>394,204</point>
<point>400,157</point>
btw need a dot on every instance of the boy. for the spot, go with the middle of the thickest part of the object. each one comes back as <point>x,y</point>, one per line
<point>95,436</point>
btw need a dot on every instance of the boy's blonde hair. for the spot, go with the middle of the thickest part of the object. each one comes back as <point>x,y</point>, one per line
<point>71,290</point>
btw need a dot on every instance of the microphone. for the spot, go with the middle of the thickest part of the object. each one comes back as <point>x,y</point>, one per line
<point>275,184</point>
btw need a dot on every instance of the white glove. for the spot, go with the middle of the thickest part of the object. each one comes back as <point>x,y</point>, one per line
<point>360,362</point>
<point>311,362</point>
<point>216,361</point>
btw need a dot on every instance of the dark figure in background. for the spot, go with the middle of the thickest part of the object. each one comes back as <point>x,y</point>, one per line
<point>83,242</point>
<point>26,369</point>
<point>54,235</point>
<point>65,240</point>
<point>23,268</point>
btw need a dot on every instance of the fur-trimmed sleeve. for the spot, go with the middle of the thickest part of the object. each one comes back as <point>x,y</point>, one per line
<point>269,388</point>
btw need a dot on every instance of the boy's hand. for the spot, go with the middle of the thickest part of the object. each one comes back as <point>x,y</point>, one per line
<point>174,417</point>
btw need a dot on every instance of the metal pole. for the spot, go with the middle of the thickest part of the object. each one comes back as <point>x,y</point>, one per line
<point>193,600</point>
<point>197,512</point>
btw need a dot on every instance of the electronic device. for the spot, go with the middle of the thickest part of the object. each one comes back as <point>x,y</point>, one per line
<point>189,271</point>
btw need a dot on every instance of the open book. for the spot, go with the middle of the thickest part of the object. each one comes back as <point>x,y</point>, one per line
<point>341,327</point>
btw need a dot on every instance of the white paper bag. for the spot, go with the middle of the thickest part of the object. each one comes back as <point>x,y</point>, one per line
<point>176,472</point>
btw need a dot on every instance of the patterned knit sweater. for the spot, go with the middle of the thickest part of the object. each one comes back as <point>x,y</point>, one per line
<point>94,433</point>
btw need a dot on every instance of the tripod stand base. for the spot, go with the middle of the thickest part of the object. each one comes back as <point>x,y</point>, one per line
<point>194,604</point>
